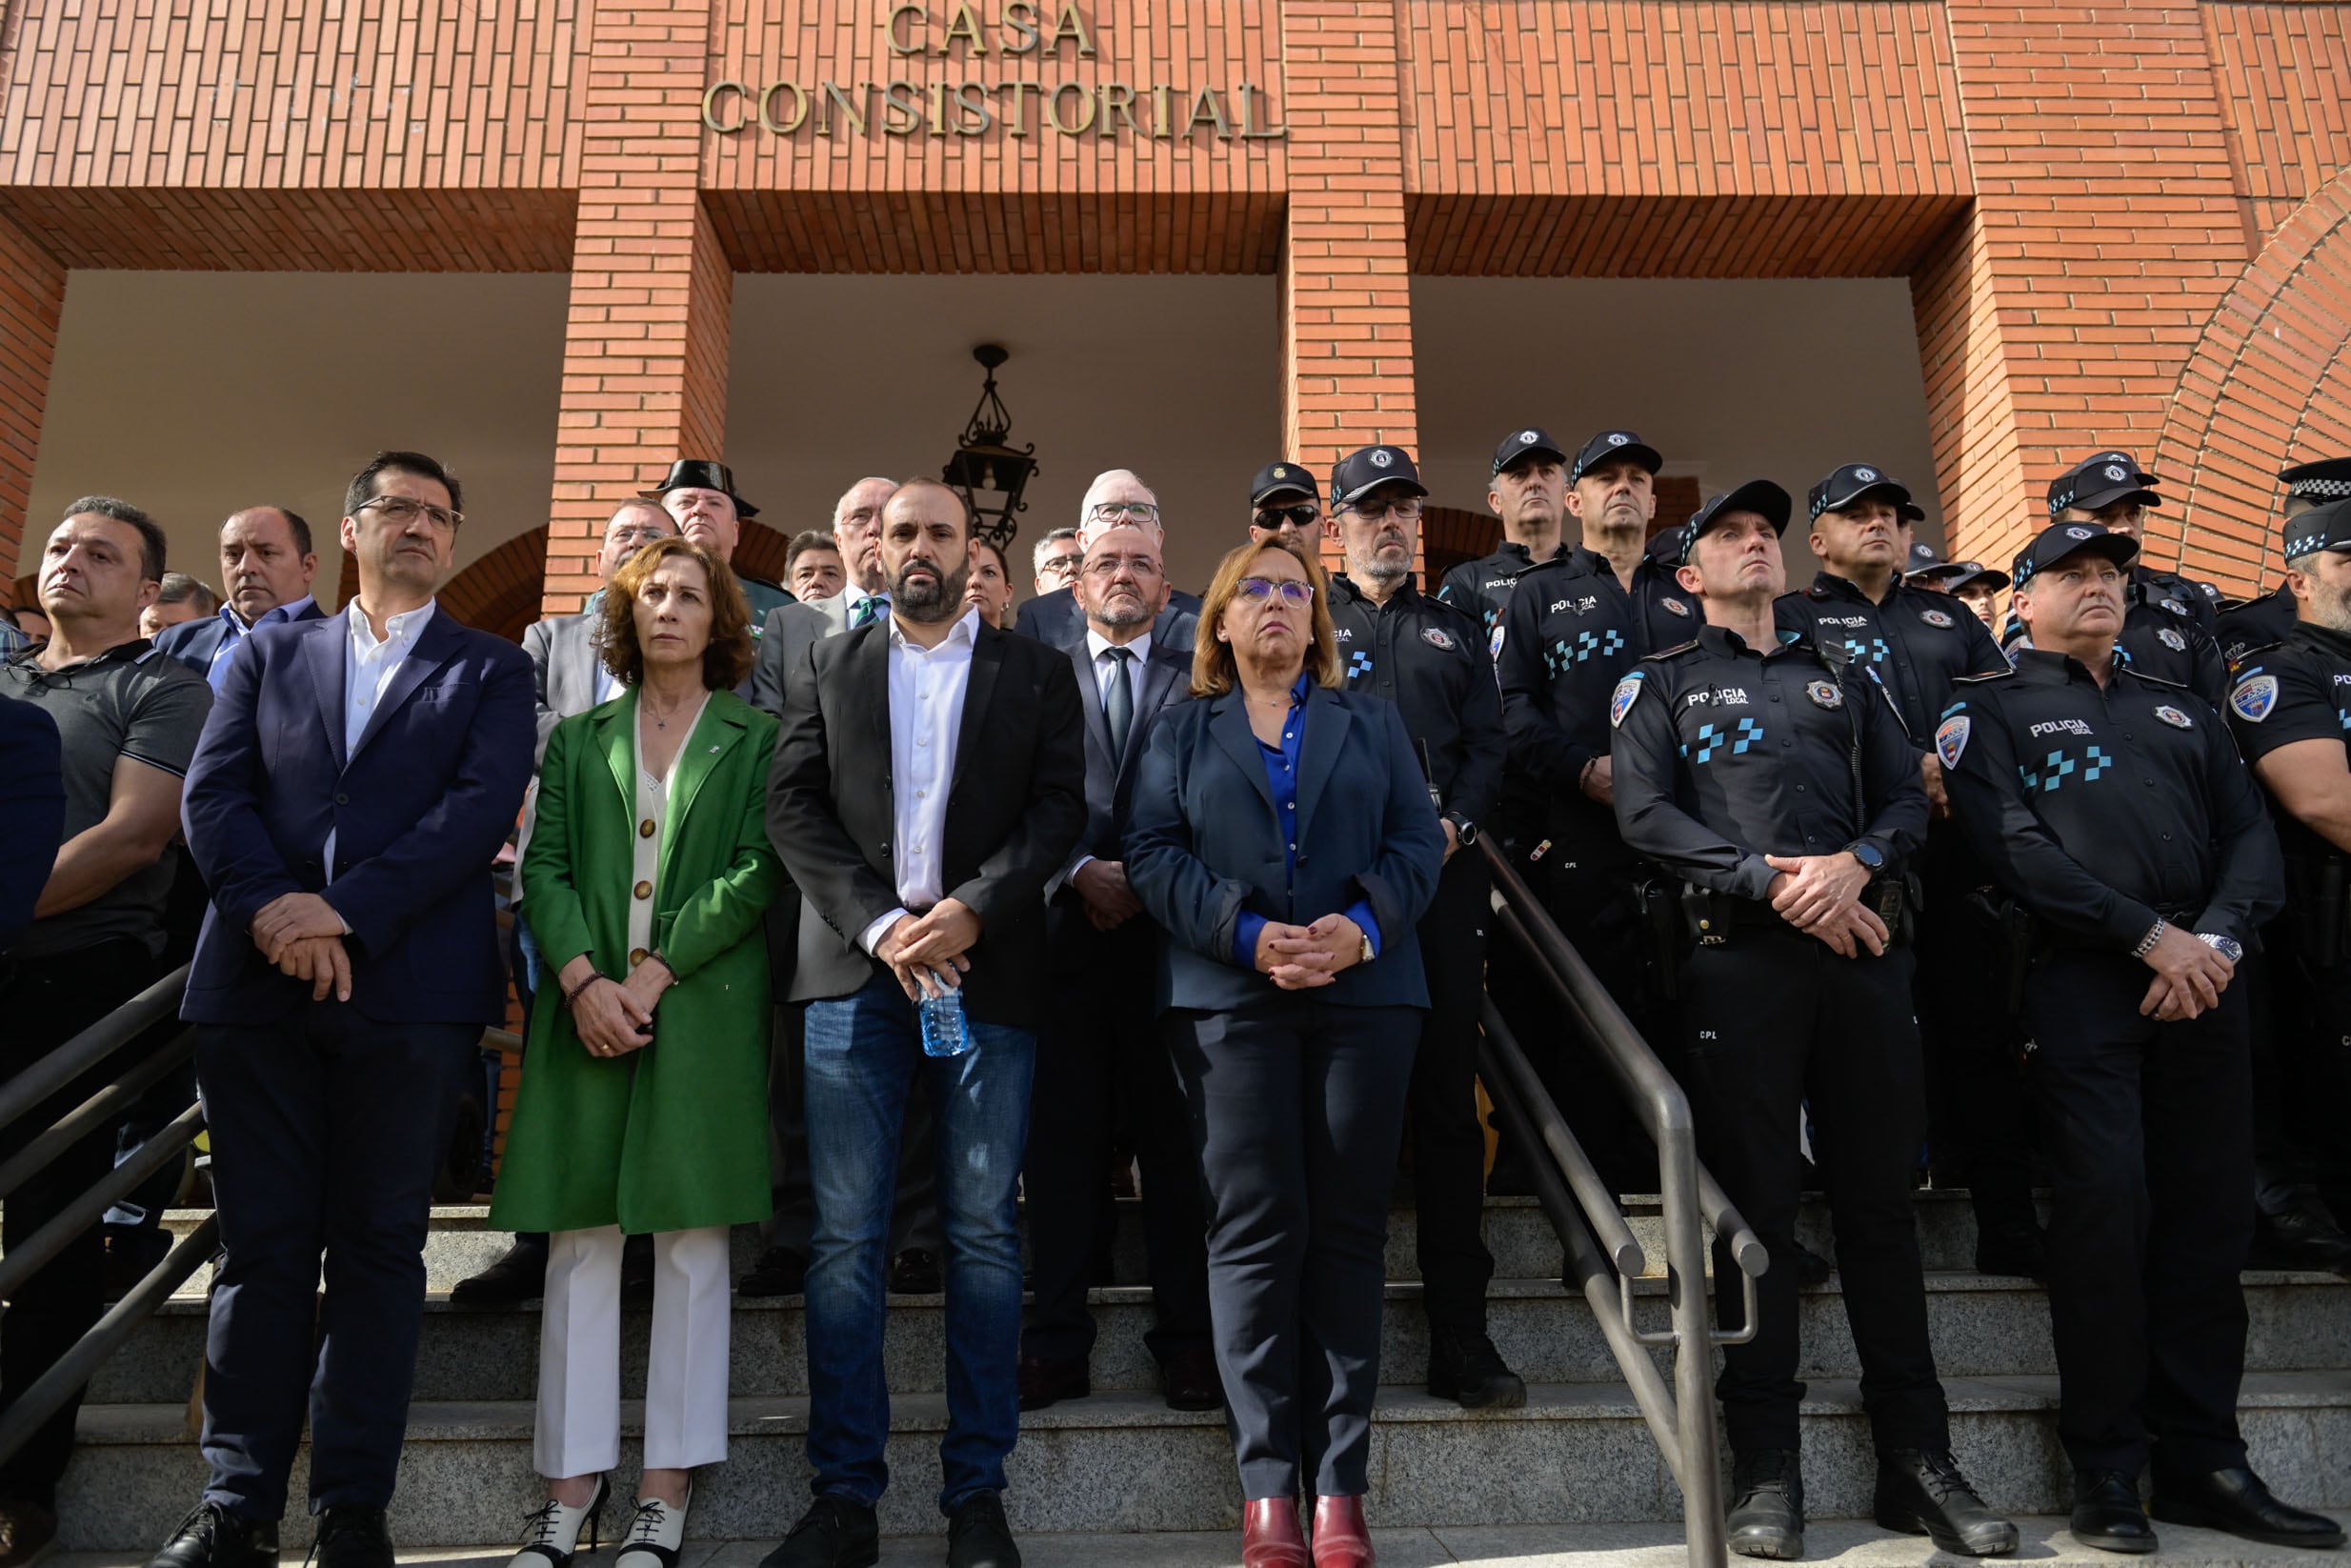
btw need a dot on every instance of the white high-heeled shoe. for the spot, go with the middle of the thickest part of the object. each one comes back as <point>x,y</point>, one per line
<point>551,1534</point>
<point>656,1532</point>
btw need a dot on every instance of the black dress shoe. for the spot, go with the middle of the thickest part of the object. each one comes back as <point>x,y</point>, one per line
<point>1190,1381</point>
<point>1767,1504</point>
<point>779,1272</point>
<point>1921,1491</point>
<point>2235,1501</point>
<point>915,1272</point>
<point>1465,1368</point>
<point>2019,1251</point>
<point>2106,1512</point>
<point>2300,1235</point>
<point>1045,1382</point>
<point>977,1536</point>
<point>214,1537</point>
<point>352,1537</point>
<point>520,1276</point>
<point>834,1533</point>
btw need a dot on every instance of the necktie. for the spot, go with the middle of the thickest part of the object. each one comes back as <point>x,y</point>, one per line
<point>1119,702</point>
<point>864,610</point>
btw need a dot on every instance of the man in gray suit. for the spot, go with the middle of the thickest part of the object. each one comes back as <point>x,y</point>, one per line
<point>569,679</point>
<point>914,1238</point>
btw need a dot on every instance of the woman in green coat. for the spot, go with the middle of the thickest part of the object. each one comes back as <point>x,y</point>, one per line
<point>643,1106</point>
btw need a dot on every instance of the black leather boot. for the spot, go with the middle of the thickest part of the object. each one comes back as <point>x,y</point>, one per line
<point>1921,1491</point>
<point>1767,1504</point>
<point>1465,1368</point>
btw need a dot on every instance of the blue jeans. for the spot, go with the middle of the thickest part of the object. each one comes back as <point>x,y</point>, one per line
<point>863,1051</point>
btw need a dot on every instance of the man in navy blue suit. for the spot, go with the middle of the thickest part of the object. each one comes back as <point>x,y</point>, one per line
<point>358,775</point>
<point>266,567</point>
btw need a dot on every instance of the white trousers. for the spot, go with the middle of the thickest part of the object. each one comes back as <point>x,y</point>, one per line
<point>578,1430</point>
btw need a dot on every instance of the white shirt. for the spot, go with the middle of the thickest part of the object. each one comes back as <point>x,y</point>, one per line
<point>215,671</point>
<point>1104,668</point>
<point>367,669</point>
<point>927,687</point>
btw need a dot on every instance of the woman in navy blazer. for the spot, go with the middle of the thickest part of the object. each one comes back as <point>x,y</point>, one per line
<point>1283,837</point>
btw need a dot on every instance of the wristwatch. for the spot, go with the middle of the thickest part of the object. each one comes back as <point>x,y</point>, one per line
<point>1464,831</point>
<point>1369,952</point>
<point>1872,860</point>
<point>2227,947</point>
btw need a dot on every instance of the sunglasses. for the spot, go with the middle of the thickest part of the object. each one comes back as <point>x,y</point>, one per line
<point>1270,518</point>
<point>1294,592</point>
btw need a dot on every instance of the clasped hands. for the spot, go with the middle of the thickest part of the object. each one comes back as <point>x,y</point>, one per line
<point>2190,973</point>
<point>1819,895</point>
<point>928,953</point>
<point>302,935</point>
<point>1301,957</point>
<point>614,1017</point>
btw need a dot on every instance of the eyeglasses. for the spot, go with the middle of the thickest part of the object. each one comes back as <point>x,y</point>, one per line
<point>1061,566</point>
<point>399,511</point>
<point>1107,567</point>
<point>1271,518</point>
<point>1405,510</point>
<point>1294,592</point>
<point>1116,511</point>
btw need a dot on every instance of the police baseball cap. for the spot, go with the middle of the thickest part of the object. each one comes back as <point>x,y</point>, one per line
<point>1664,547</point>
<point>1526,441</point>
<point>1957,575</point>
<point>1923,559</point>
<point>1855,480</point>
<point>1280,479</point>
<point>2325,527</point>
<point>1759,495</point>
<point>2099,481</point>
<point>2327,480</point>
<point>1607,446</point>
<point>2059,540</point>
<point>1366,468</point>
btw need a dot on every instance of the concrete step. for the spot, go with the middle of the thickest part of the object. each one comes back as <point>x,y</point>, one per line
<point>1521,1239</point>
<point>1578,1457</point>
<point>1981,1327</point>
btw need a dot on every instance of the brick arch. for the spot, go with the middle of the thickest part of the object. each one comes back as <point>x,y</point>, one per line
<point>2269,384</point>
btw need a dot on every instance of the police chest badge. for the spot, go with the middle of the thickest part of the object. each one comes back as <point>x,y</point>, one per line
<point>2253,698</point>
<point>2176,607</point>
<point>1824,693</point>
<point>1622,703</point>
<point>1436,636</point>
<point>1935,617</point>
<point>2171,639</point>
<point>2174,718</point>
<point>1951,739</point>
<point>1675,606</point>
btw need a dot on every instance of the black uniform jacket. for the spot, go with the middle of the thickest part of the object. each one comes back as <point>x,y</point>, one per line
<point>1480,589</point>
<point>1426,657</point>
<point>1917,642</point>
<point>1725,754</point>
<point>2101,807</point>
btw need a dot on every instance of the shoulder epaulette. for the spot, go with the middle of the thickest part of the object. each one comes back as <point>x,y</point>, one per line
<point>1674,652</point>
<point>1978,680</point>
<point>2132,670</point>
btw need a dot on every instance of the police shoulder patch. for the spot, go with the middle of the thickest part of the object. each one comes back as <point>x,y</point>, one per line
<point>2253,698</point>
<point>1493,643</point>
<point>1621,703</point>
<point>2174,718</point>
<point>1951,738</point>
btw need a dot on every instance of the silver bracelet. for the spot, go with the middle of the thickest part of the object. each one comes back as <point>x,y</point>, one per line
<point>2155,935</point>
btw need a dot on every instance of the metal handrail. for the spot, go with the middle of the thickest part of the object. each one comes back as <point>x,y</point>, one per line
<point>94,1112</point>
<point>86,1211</point>
<point>1693,1214</point>
<point>92,1046</point>
<point>1509,1068</point>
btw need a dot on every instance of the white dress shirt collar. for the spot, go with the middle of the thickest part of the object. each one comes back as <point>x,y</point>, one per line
<point>1095,643</point>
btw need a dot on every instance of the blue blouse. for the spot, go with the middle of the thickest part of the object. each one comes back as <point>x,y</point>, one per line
<point>1281,772</point>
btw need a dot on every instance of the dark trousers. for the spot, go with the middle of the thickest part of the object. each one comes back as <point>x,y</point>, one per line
<point>1298,1108</point>
<point>1979,1120</point>
<point>327,1128</point>
<point>2149,1133</point>
<point>1101,1050</point>
<point>45,1002</point>
<point>1440,1105</point>
<point>1776,1020</point>
<point>2301,1072</point>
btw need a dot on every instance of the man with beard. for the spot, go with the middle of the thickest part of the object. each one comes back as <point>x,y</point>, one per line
<point>2291,711</point>
<point>929,782</point>
<point>2263,622</point>
<point>1425,657</point>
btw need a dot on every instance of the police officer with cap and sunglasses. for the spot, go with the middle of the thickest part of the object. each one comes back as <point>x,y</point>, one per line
<point>1284,504</point>
<point>1428,659</point>
<point>2112,808</point>
<point>1771,775</point>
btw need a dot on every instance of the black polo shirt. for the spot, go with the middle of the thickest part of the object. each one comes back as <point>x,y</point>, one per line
<point>1917,642</point>
<point>1428,659</point>
<point>1479,589</point>
<point>2297,690</point>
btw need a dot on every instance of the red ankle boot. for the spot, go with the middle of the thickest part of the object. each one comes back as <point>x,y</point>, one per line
<point>1341,1538</point>
<point>1270,1536</point>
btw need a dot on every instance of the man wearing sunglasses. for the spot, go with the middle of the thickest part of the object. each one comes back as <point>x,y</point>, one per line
<point>1284,504</point>
<point>1428,659</point>
<point>1117,498</point>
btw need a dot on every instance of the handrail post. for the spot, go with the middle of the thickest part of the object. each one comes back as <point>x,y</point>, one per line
<point>1694,1363</point>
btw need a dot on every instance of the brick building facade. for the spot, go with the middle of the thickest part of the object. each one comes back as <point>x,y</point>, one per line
<point>2122,223</point>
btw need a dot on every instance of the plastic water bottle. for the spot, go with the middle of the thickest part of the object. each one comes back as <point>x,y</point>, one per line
<point>944,1031</point>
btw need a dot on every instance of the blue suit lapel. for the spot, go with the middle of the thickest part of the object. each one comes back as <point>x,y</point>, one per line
<point>328,653</point>
<point>1230,725</point>
<point>1326,735</point>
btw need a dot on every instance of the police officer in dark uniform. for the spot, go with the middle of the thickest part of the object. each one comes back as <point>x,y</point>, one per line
<point>2167,623</point>
<point>1572,626</point>
<point>2264,621</point>
<point>2113,807</point>
<point>1918,643</point>
<point>1771,775</point>
<point>1284,504</point>
<point>2291,711</point>
<point>1427,658</point>
<point>1529,494</point>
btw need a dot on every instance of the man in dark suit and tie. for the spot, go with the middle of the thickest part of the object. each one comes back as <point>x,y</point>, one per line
<point>1100,1047</point>
<point>344,805</point>
<point>1115,498</point>
<point>929,782</point>
<point>266,567</point>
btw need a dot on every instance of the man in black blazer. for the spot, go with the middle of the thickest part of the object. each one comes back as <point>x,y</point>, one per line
<point>929,781</point>
<point>1115,498</point>
<point>1100,1047</point>
<point>266,567</point>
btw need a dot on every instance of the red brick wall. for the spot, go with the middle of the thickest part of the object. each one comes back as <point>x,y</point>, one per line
<point>32,291</point>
